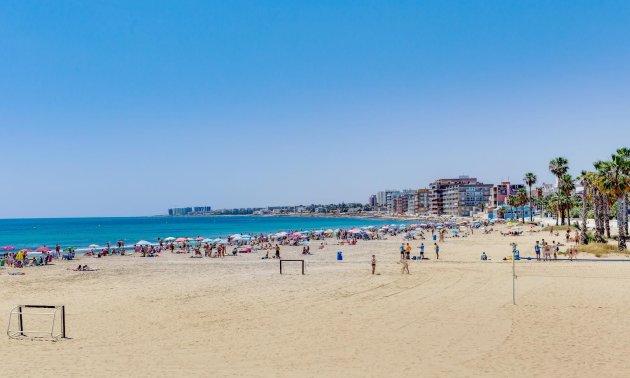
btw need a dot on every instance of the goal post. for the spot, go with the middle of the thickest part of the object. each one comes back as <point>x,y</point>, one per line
<point>22,318</point>
<point>283,261</point>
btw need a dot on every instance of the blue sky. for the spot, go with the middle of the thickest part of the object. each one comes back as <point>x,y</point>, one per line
<point>131,107</point>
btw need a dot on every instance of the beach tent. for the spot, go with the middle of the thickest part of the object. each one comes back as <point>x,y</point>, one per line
<point>143,242</point>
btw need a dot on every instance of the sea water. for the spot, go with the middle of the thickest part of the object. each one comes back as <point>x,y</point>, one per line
<point>81,232</point>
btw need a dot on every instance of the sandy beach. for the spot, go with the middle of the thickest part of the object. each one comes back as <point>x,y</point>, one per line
<point>237,317</point>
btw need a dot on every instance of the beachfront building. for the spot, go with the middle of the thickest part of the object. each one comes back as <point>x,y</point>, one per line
<point>422,201</point>
<point>501,192</point>
<point>399,204</point>
<point>458,196</point>
<point>197,210</point>
<point>373,201</point>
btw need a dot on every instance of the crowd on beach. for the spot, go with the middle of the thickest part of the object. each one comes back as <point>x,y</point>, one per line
<point>430,235</point>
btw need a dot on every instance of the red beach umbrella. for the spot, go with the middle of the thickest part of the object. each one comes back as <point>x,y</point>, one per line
<point>8,248</point>
<point>42,249</point>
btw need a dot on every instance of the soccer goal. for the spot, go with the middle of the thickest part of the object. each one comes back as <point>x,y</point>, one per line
<point>292,261</point>
<point>37,321</point>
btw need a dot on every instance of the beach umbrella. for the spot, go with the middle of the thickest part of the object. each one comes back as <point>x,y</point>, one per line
<point>92,246</point>
<point>143,242</point>
<point>281,234</point>
<point>8,248</point>
<point>42,249</point>
<point>199,239</point>
<point>170,238</point>
<point>181,240</point>
<point>206,240</point>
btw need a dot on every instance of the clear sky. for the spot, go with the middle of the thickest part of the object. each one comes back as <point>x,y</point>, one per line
<point>131,107</point>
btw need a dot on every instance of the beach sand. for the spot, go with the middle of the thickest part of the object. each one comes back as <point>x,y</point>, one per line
<point>237,317</point>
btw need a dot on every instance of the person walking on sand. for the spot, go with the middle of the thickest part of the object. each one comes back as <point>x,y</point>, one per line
<point>437,251</point>
<point>405,266</point>
<point>277,252</point>
<point>402,251</point>
<point>408,252</point>
<point>421,251</point>
<point>373,264</point>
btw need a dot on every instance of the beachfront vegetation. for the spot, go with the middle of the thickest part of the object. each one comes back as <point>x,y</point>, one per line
<point>530,180</point>
<point>597,249</point>
<point>604,196</point>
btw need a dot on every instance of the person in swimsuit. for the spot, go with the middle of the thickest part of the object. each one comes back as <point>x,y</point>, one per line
<point>405,266</point>
<point>373,264</point>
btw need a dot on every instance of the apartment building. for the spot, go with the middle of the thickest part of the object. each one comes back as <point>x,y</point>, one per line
<point>458,196</point>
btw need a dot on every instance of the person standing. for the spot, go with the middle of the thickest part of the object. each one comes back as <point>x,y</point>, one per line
<point>402,251</point>
<point>277,251</point>
<point>373,264</point>
<point>408,251</point>
<point>421,251</point>
<point>537,250</point>
<point>437,251</point>
<point>405,266</point>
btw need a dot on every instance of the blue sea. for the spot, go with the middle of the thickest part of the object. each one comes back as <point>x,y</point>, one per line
<point>81,232</point>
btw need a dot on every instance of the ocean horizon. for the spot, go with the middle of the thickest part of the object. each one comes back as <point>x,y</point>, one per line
<point>81,232</point>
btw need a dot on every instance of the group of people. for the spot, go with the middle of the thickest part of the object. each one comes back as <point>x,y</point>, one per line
<point>405,252</point>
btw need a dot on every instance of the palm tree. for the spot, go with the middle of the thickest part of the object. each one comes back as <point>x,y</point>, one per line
<point>598,210</point>
<point>513,202</point>
<point>606,199</point>
<point>553,204</point>
<point>586,179</point>
<point>530,180</point>
<point>616,180</point>
<point>566,187</point>
<point>624,154</point>
<point>559,167</point>
<point>522,199</point>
